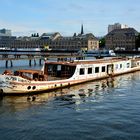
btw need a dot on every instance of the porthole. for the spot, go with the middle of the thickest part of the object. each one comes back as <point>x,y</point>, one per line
<point>29,87</point>
<point>34,87</point>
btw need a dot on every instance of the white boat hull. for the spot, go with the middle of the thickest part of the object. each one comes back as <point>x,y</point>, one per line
<point>10,84</point>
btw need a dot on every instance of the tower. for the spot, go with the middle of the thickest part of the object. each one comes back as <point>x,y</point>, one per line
<point>82,30</point>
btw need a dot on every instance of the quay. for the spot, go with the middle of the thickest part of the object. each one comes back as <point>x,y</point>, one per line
<point>9,57</point>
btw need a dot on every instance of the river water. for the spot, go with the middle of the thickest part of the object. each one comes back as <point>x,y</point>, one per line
<point>110,110</point>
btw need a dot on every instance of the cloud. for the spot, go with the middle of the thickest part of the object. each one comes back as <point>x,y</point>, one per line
<point>76,7</point>
<point>21,29</point>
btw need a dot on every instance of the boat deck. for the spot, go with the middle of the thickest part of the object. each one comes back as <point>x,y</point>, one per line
<point>76,62</point>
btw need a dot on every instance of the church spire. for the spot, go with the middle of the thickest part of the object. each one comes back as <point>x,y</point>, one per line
<point>82,30</point>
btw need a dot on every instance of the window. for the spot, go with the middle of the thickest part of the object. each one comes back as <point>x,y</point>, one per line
<point>116,66</point>
<point>96,69</point>
<point>103,68</point>
<point>82,71</point>
<point>128,65</point>
<point>89,70</point>
<point>120,66</point>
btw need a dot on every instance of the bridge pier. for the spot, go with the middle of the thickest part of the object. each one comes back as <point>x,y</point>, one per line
<point>30,62</point>
<point>11,63</point>
<point>6,63</point>
<point>39,62</point>
<point>34,62</point>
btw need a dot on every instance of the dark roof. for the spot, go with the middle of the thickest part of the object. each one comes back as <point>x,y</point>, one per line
<point>125,31</point>
<point>80,36</point>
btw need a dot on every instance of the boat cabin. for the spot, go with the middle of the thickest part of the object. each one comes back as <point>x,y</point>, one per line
<point>59,69</point>
<point>36,75</point>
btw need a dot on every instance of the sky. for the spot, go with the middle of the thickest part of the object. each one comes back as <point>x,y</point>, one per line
<point>66,16</point>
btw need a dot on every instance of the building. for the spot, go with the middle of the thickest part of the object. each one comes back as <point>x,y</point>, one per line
<point>53,41</point>
<point>57,42</point>
<point>76,42</point>
<point>34,41</point>
<point>79,42</point>
<point>5,32</point>
<point>122,39</point>
<point>116,26</point>
<point>5,41</point>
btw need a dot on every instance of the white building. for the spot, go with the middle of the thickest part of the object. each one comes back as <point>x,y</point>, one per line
<point>116,26</point>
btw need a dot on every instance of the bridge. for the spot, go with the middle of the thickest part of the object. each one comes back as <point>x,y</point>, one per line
<point>33,56</point>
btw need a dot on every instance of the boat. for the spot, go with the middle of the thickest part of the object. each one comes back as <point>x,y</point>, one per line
<point>27,49</point>
<point>37,49</point>
<point>99,53</point>
<point>60,74</point>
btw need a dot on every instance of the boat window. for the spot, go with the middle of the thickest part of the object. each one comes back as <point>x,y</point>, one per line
<point>116,66</point>
<point>27,75</point>
<point>120,66</point>
<point>128,65</point>
<point>103,68</point>
<point>89,70</point>
<point>59,67</point>
<point>96,69</point>
<point>82,71</point>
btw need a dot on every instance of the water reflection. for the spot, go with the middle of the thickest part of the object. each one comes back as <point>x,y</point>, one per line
<point>95,91</point>
<point>79,94</point>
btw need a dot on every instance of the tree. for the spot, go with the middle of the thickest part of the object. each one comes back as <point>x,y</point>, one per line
<point>138,41</point>
<point>37,35</point>
<point>102,43</point>
<point>74,35</point>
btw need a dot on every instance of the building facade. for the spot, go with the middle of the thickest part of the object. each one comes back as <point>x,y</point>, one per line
<point>34,41</point>
<point>81,41</point>
<point>5,41</point>
<point>53,41</point>
<point>122,39</point>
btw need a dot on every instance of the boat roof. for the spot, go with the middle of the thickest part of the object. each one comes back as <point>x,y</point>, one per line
<point>97,61</point>
<point>28,71</point>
